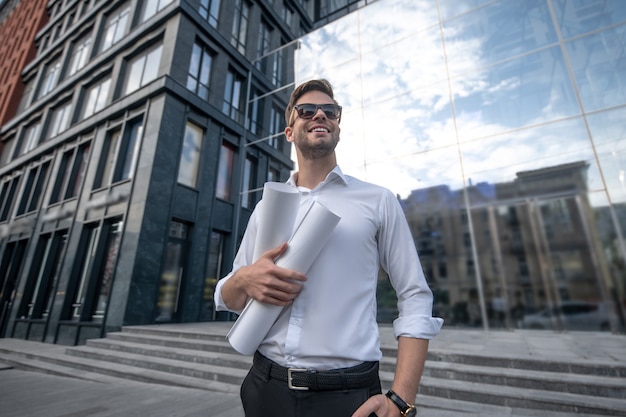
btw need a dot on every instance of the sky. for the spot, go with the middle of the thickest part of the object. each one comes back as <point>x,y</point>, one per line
<point>488,109</point>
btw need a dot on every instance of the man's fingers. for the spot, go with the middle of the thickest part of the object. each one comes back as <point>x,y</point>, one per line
<point>276,252</point>
<point>373,406</point>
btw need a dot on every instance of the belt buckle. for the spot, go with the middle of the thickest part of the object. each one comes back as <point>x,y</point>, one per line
<point>290,371</point>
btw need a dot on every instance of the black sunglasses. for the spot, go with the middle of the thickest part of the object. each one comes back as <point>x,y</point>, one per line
<point>307,111</point>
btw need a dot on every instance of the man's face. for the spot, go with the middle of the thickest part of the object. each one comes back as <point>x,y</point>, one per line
<point>314,138</point>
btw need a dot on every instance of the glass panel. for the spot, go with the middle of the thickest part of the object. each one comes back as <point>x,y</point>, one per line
<point>533,89</point>
<point>213,272</point>
<point>61,241</point>
<point>517,155</point>
<point>496,32</point>
<point>609,134</point>
<point>110,156</point>
<point>190,155</point>
<point>580,16</point>
<point>225,173</point>
<point>78,172</point>
<point>130,153</point>
<point>171,278</point>
<point>452,8</point>
<point>115,27</point>
<point>598,62</point>
<point>107,273</point>
<point>89,240</point>
<point>80,55</point>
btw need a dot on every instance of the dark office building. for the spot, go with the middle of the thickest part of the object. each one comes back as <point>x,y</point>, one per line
<point>139,147</point>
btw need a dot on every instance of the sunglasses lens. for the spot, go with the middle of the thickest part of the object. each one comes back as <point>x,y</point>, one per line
<point>331,111</point>
<point>307,111</point>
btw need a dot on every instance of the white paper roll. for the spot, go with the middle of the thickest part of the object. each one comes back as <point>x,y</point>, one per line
<point>277,217</point>
<point>306,243</point>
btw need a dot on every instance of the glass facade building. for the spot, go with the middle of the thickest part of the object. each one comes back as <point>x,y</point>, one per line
<point>500,126</point>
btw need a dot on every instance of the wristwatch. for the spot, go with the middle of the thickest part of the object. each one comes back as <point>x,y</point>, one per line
<point>407,410</point>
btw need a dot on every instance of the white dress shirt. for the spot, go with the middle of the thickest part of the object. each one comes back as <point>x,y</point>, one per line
<point>332,323</point>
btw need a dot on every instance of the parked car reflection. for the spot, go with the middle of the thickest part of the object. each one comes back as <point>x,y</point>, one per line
<point>575,315</point>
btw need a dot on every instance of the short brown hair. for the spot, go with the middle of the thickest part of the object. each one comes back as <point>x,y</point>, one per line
<point>312,85</point>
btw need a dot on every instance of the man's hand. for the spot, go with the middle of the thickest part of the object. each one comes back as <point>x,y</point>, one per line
<point>378,405</point>
<point>263,281</point>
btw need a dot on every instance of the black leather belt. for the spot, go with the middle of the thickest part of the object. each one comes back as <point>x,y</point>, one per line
<point>359,376</point>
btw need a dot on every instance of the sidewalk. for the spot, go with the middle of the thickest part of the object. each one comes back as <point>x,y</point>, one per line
<point>24,393</point>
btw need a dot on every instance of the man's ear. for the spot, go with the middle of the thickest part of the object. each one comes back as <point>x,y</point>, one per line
<point>289,134</point>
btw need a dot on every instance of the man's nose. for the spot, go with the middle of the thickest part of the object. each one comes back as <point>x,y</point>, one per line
<point>317,113</point>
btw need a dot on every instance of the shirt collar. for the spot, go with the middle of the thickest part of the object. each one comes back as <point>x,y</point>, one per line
<point>336,173</point>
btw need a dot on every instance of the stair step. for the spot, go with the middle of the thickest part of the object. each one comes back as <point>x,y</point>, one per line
<point>222,374</point>
<point>182,353</point>
<point>522,397</point>
<point>593,385</point>
<point>179,342</point>
<point>216,331</point>
<point>59,363</point>
<point>599,368</point>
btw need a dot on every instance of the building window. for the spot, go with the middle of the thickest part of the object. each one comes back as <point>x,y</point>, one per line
<point>263,46</point>
<point>210,10</point>
<point>173,271</point>
<point>80,55</point>
<point>6,153</point>
<point>277,127</point>
<point>277,67</point>
<point>249,183</point>
<point>60,120</point>
<point>152,7</point>
<point>254,113</point>
<point>71,173</point>
<point>96,97</point>
<point>7,197</point>
<point>115,27</point>
<point>120,154</point>
<point>143,69</point>
<point>190,156</point>
<point>27,95</point>
<point>240,26</point>
<point>50,78</point>
<point>232,95</point>
<point>199,75</point>
<point>273,174</point>
<point>288,16</point>
<point>96,270</point>
<point>39,291</point>
<point>30,139</point>
<point>87,255</point>
<point>225,172</point>
<point>212,274</point>
<point>33,189</point>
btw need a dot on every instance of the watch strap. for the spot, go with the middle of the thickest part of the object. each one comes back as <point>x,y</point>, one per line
<point>402,405</point>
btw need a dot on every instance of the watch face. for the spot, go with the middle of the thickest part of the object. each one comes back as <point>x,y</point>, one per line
<point>411,413</point>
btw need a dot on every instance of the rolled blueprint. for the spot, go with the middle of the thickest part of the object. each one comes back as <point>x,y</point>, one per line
<point>306,243</point>
<point>277,217</point>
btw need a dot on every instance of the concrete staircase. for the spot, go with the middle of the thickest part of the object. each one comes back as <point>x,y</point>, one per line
<point>188,357</point>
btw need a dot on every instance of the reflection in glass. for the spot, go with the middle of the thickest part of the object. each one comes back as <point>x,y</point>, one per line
<point>514,194</point>
<point>532,89</point>
<point>501,30</point>
<point>576,17</point>
<point>599,65</point>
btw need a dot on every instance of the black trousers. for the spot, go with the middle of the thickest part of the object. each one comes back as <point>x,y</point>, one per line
<point>267,397</point>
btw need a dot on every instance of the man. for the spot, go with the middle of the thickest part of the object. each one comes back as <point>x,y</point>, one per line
<point>320,358</point>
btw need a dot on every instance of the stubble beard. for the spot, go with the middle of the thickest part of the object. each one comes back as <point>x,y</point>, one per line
<point>318,149</point>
